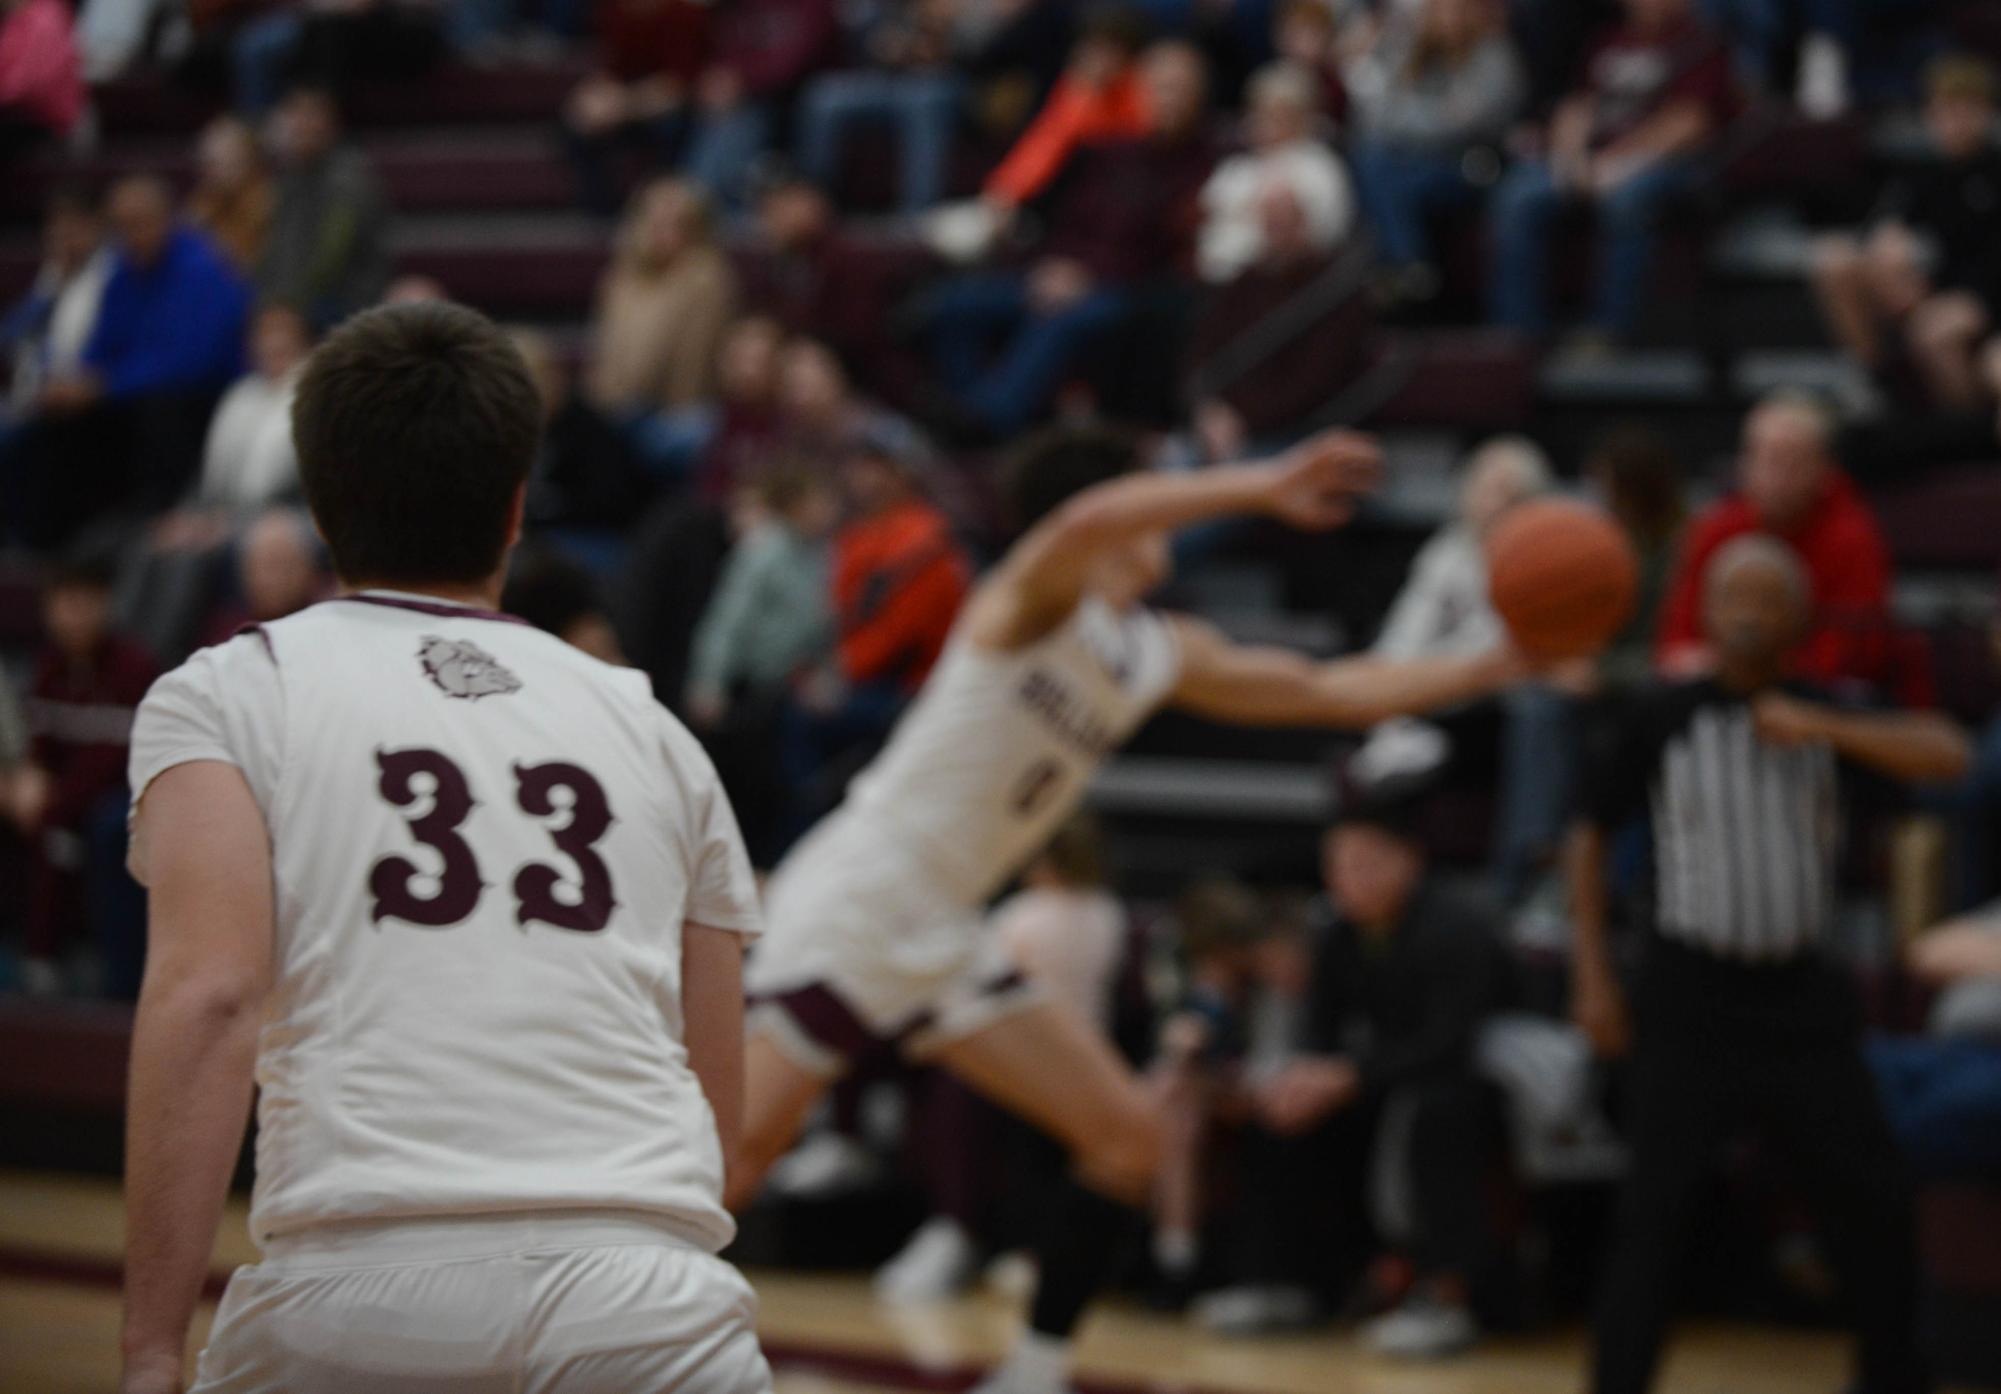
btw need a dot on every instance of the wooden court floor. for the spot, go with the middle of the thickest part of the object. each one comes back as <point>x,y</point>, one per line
<point>60,1240</point>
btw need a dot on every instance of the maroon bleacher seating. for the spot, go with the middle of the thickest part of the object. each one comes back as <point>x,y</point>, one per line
<point>1948,519</point>
<point>1474,379</point>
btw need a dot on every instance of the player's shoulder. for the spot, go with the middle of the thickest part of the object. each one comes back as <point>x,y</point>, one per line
<point>246,658</point>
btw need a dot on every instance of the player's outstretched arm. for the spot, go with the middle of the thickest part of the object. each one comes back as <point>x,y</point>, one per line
<point>203,851</point>
<point>1268,686</point>
<point>1312,486</point>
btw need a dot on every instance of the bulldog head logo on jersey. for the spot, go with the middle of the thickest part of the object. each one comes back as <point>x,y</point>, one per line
<point>462,669</point>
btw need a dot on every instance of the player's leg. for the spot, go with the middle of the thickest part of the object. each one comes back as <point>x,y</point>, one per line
<point>1056,1071</point>
<point>779,1090</point>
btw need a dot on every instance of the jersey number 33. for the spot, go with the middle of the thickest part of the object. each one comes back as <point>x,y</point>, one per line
<point>435,822</point>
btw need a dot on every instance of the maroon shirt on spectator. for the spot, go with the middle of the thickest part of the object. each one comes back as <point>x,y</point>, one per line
<point>653,38</point>
<point>774,45</point>
<point>1632,76</point>
<point>743,441</point>
<point>1127,210</point>
<point>80,724</point>
<point>836,290</point>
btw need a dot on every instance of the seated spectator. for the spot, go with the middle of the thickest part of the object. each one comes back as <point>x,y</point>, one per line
<point>1401,977</point>
<point>1878,296</point>
<point>899,580</point>
<point>762,54</point>
<point>1641,481</point>
<point>662,307</point>
<point>1308,35</point>
<point>821,417</point>
<point>127,423</point>
<point>1285,152</point>
<point>904,78</point>
<point>1433,102</point>
<point>47,329</point>
<point>1789,485</point>
<point>1656,91</point>
<point>1122,221</point>
<point>558,596</point>
<point>1942,1091</point>
<point>249,462</point>
<point>280,570</point>
<point>812,276</point>
<point>42,95</point>
<point>746,413</point>
<point>328,249</point>
<point>1443,607</point>
<point>247,466</point>
<point>1275,345</point>
<point>69,800</point>
<point>233,197</point>
<point>639,99</point>
<point>769,618</point>
<point>586,474</point>
<point>1100,97</point>
<point>769,621</point>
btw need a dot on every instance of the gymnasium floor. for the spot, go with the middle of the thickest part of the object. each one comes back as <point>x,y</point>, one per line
<point>59,1253</point>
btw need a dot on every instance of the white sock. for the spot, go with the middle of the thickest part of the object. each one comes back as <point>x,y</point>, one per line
<point>1040,1359</point>
<point>1174,1250</point>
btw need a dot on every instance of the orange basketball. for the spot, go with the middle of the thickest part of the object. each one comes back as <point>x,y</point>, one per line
<point>1562,576</point>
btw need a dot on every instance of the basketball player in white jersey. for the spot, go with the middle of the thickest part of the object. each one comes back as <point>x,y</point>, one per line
<point>471,906</point>
<point>874,920</point>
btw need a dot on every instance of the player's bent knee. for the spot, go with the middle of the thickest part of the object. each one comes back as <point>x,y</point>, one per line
<point>1126,1151</point>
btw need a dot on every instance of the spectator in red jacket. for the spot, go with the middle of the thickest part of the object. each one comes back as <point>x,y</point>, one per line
<point>1789,485</point>
<point>69,799</point>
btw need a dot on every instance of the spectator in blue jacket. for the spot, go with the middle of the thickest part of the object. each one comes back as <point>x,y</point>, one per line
<point>126,425</point>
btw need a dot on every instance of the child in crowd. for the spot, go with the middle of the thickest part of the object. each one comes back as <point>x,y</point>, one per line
<point>68,799</point>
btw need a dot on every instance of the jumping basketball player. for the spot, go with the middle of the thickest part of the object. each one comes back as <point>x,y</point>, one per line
<point>473,907</point>
<point>874,919</point>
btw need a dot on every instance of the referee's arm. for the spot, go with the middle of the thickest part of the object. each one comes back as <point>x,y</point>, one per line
<point>1915,747</point>
<point>1597,1003</point>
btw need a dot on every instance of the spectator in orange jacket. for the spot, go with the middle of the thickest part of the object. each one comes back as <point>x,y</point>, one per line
<point>1099,97</point>
<point>899,580</point>
<point>1789,485</point>
<point>899,574</point>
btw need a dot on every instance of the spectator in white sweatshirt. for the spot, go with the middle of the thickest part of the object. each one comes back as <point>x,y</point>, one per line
<point>1286,148</point>
<point>1443,607</point>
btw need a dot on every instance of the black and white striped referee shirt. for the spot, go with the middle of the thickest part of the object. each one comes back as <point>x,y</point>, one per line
<point>1745,834</point>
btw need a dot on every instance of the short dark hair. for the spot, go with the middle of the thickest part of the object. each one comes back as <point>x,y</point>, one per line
<point>1056,466</point>
<point>416,425</point>
<point>89,563</point>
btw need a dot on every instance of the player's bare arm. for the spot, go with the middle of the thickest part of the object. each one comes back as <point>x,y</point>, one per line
<point>1920,747</point>
<point>1259,685</point>
<point>202,849</point>
<point>712,1020</point>
<point>1313,486</point>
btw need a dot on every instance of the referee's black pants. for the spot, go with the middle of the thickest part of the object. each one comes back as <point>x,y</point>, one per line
<point>1721,1045</point>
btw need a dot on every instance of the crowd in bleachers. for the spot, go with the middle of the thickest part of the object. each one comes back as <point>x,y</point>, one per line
<point>851,253</point>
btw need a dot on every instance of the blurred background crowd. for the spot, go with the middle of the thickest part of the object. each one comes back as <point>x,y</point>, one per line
<point>793,274</point>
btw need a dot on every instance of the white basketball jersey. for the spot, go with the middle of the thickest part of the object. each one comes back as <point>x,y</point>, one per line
<point>485,845</point>
<point>999,747</point>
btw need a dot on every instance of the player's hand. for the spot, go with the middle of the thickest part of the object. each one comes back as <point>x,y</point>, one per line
<point>1306,1091</point>
<point>1315,484</point>
<point>154,1373</point>
<point>1598,1007</point>
<point>1786,721</point>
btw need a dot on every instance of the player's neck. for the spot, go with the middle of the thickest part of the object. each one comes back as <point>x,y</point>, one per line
<point>479,596</point>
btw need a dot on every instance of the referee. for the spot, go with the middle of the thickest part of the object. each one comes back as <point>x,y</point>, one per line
<point>1738,1016</point>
